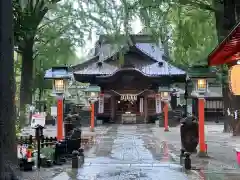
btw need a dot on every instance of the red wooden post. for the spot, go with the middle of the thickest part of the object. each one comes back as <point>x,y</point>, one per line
<point>59,118</point>
<point>92,117</point>
<point>166,116</point>
<point>202,146</point>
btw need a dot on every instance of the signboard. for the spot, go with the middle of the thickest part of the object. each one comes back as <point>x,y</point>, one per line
<point>53,111</point>
<point>22,150</point>
<point>38,119</point>
<point>101,104</point>
<point>158,103</point>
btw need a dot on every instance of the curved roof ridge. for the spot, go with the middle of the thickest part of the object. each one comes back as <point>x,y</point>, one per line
<point>125,69</point>
<point>153,51</point>
<point>94,69</point>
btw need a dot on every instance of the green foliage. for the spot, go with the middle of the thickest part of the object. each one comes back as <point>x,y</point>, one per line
<point>18,129</point>
<point>48,152</point>
<point>195,38</point>
<point>188,27</point>
<point>55,34</point>
<point>27,16</point>
<point>222,74</point>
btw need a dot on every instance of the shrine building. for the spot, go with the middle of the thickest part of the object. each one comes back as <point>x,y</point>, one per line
<point>129,84</point>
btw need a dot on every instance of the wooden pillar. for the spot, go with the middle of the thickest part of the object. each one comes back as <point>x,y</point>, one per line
<point>92,117</point>
<point>59,118</point>
<point>165,109</point>
<point>113,107</point>
<point>145,104</point>
<point>202,146</point>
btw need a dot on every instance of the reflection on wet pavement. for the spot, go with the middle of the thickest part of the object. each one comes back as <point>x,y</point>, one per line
<point>219,174</point>
<point>210,169</point>
<point>128,152</point>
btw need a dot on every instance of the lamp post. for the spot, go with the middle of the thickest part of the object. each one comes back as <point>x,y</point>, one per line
<point>60,77</point>
<point>59,87</point>
<point>201,89</point>
<point>92,93</point>
<point>165,97</point>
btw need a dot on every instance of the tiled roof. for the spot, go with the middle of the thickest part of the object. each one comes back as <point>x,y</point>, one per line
<point>107,51</point>
<point>151,70</point>
<point>166,69</point>
<point>150,49</point>
<point>153,51</point>
<point>94,59</point>
<point>95,69</point>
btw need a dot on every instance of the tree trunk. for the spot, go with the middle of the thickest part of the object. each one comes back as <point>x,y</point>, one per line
<point>221,33</point>
<point>231,15</point>
<point>219,16</point>
<point>226,19</point>
<point>26,79</point>
<point>8,149</point>
<point>238,11</point>
<point>40,93</point>
<point>227,104</point>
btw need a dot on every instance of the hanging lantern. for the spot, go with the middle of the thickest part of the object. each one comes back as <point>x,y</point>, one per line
<point>234,80</point>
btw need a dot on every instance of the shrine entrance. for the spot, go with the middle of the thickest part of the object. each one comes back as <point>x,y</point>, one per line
<point>126,106</point>
<point>129,91</point>
<point>126,111</point>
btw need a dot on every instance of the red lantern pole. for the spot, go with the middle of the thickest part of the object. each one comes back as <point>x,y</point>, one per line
<point>92,116</point>
<point>166,116</point>
<point>202,146</point>
<point>60,118</point>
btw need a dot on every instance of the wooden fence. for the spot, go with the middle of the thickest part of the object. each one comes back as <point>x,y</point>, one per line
<point>48,141</point>
<point>30,140</point>
<point>214,108</point>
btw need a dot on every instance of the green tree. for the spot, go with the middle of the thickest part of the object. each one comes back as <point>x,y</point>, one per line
<point>56,52</point>
<point>27,17</point>
<point>198,26</point>
<point>36,24</point>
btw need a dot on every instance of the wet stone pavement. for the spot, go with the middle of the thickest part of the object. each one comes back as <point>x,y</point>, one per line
<point>128,152</point>
<point>221,165</point>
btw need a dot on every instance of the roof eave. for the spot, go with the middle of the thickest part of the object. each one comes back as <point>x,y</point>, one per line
<point>75,67</point>
<point>220,45</point>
